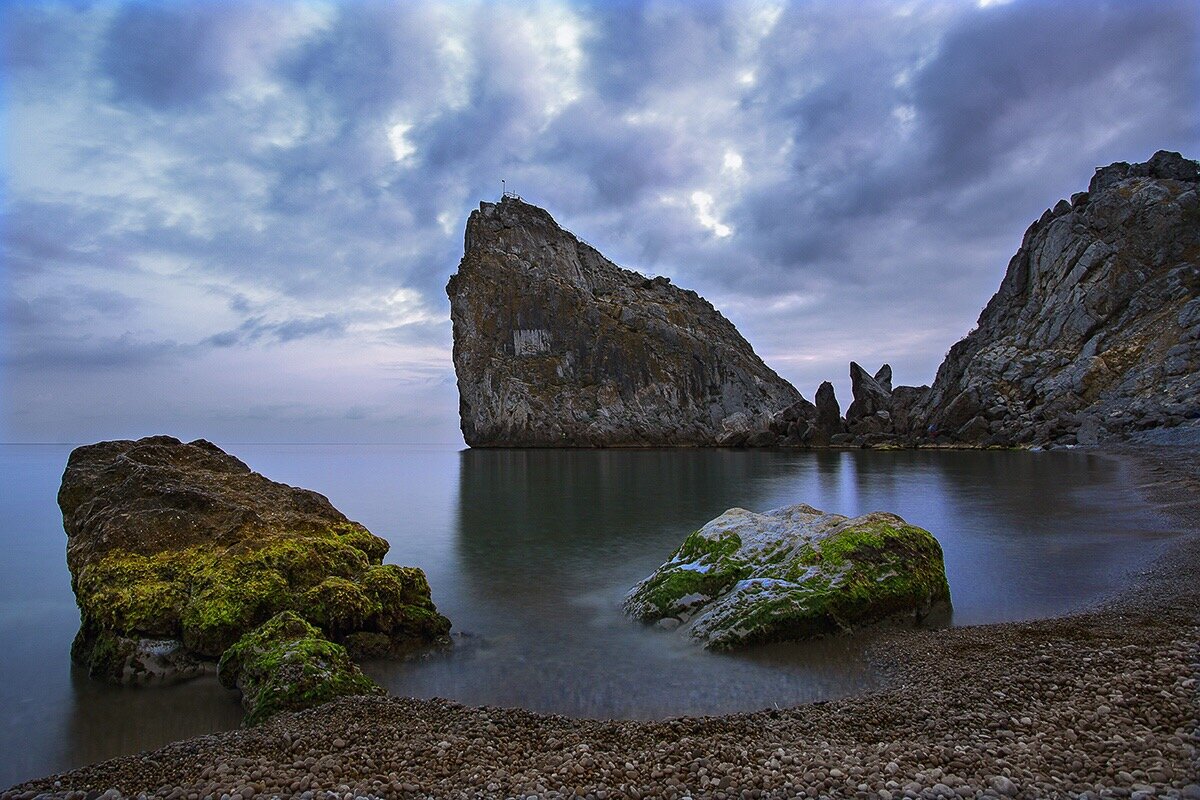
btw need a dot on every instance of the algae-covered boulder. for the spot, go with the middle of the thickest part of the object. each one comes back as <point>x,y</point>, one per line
<point>184,546</point>
<point>285,664</point>
<point>793,573</point>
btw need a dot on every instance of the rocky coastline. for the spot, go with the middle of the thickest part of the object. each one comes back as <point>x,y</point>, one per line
<point>1093,335</point>
<point>1103,703</point>
<point>180,555</point>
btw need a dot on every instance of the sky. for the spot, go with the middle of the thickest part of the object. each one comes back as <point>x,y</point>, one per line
<point>236,220</point>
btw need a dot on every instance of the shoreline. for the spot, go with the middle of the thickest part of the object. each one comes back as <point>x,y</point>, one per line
<point>1095,702</point>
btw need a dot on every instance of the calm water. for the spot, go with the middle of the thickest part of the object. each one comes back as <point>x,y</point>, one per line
<point>529,553</point>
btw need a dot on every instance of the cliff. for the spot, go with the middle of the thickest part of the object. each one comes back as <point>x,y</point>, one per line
<point>556,346</point>
<point>1094,334</point>
<point>1095,330</point>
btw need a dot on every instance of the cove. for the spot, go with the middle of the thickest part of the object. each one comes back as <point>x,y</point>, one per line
<point>529,552</point>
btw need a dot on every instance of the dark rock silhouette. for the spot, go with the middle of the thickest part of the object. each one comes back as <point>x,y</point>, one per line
<point>829,416</point>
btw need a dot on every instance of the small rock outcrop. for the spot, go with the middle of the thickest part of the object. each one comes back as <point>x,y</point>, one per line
<point>829,422</point>
<point>793,573</point>
<point>178,550</point>
<point>556,346</point>
<point>870,412</point>
<point>286,664</point>
<point>880,414</point>
<point>1095,331</point>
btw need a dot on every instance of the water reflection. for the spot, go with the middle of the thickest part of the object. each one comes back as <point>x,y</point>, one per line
<point>548,542</point>
<point>576,508</point>
<point>107,721</point>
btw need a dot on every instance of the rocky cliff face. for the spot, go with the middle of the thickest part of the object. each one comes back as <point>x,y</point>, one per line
<point>1093,334</point>
<point>556,346</point>
<point>1095,331</point>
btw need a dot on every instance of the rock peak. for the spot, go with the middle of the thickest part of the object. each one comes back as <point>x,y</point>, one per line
<point>555,345</point>
<point>1163,165</point>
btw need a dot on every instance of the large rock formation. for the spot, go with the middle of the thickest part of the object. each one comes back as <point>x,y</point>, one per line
<point>792,573</point>
<point>178,550</point>
<point>556,346</point>
<point>1095,331</point>
<point>1094,334</point>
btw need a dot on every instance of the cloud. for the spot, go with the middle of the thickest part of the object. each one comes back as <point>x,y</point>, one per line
<point>210,202</point>
<point>257,329</point>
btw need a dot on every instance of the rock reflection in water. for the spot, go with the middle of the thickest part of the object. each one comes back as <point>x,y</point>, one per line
<point>549,542</point>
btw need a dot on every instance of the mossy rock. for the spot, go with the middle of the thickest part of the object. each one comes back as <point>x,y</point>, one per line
<point>182,542</point>
<point>133,661</point>
<point>793,573</point>
<point>704,566</point>
<point>285,664</point>
<point>209,597</point>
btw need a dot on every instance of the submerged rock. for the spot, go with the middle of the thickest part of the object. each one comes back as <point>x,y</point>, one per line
<point>556,346</point>
<point>285,664</point>
<point>793,573</point>
<point>178,550</point>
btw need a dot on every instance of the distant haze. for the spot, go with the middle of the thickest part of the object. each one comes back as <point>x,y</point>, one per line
<point>236,220</point>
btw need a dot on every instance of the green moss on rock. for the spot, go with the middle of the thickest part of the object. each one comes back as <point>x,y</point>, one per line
<point>181,549</point>
<point>285,664</point>
<point>339,606</point>
<point>794,573</point>
<point>210,596</point>
<point>403,607</point>
<point>704,566</point>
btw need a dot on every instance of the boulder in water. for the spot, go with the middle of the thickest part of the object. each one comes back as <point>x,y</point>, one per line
<point>178,550</point>
<point>793,573</point>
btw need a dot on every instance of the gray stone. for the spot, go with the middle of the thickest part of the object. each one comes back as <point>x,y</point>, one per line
<point>793,573</point>
<point>1093,318</point>
<point>556,346</point>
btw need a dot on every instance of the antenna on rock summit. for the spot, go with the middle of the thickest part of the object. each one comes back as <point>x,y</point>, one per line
<point>504,192</point>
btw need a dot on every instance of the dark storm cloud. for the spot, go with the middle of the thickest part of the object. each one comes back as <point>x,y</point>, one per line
<point>1002,75</point>
<point>165,55</point>
<point>1013,110</point>
<point>257,329</point>
<point>203,186</point>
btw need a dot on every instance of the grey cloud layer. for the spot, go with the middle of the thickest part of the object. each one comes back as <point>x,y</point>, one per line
<point>256,205</point>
